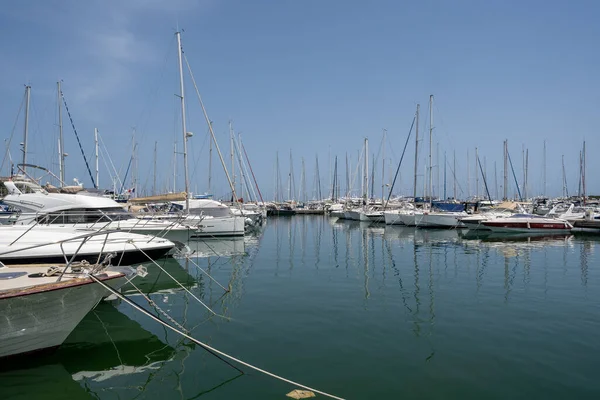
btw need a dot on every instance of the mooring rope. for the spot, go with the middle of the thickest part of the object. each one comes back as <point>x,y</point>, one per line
<point>206,346</point>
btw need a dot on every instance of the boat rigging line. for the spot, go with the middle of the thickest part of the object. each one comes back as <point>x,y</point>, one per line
<point>179,283</point>
<point>484,181</point>
<point>12,132</point>
<point>514,175</point>
<point>400,163</point>
<point>78,141</point>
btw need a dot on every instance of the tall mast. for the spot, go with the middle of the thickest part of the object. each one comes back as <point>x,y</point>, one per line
<point>583,172</point>
<point>210,150</point>
<point>526,173</point>
<point>383,168</point>
<point>454,174</point>
<point>476,175</point>
<point>174,167</point>
<point>544,192</point>
<point>437,169</point>
<point>61,145</point>
<point>565,186</point>
<point>154,171</point>
<point>505,186</point>
<point>133,169</point>
<point>232,159</point>
<point>416,152</point>
<point>290,193</point>
<point>495,181</point>
<point>430,147</point>
<point>366,170</point>
<point>445,176</point>
<point>277,176</point>
<point>468,176</point>
<point>183,127</point>
<point>96,148</point>
<point>26,130</point>
<point>302,191</point>
<point>347,177</point>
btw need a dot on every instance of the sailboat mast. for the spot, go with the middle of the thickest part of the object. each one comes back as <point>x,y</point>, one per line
<point>496,181</point>
<point>445,197</point>
<point>505,170</point>
<point>383,168</point>
<point>430,147</point>
<point>437,169</point>
<point>232,158</point>
<point>174,167</point>
<point>468,176</point>
<point>277,179</point>
<point>133,169</point>
<point>183,127</point>
<point>96,150</point>
<point>476,175</point>
<point>347,177</point>
<point>61,145</point>
<point>366,170</point>
<point>564,177</point>
<point>583,172</point>
<point>154,170</point>
<point>416,152</point>
<point>26,129</point>
<point>526,173</point>
<point>454,174</point>
<point>544,192</point>
<point>210,150</point>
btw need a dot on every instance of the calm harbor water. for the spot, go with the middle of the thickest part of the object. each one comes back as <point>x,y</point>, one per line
<point>362,312</point>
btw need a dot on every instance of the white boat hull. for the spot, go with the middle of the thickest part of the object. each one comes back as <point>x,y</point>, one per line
<point>392,218</point>
<point>219,227</point>
<point>22,244</point>
<point>43,319</point>
<point>352,215</point>
<point>442,220</point>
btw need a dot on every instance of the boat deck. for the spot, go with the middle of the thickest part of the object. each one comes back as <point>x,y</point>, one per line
<point>18,280</point>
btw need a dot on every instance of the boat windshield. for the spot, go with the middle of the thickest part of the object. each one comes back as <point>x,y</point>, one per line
<point>85,216</point>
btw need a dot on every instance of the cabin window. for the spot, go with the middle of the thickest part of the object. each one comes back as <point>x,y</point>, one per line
<point>85,216</point>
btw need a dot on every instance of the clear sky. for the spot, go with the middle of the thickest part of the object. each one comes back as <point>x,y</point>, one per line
<point>314,77</point>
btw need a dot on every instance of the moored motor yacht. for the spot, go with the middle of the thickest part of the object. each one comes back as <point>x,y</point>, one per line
<point>527,223</point>
<point>25,244</point>
<point>84,210</point>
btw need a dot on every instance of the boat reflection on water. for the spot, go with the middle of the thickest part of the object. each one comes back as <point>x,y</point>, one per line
<point>218,247</point>
<point>416,235</point>
<point>510,244</point>
<point>106,344</point>
<point>158,280</point>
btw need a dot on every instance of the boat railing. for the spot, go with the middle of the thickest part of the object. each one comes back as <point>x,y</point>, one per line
<point>41,218</point>
<point>102,260</point>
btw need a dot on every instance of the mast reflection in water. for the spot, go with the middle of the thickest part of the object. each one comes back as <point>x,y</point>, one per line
<point>358,310</point>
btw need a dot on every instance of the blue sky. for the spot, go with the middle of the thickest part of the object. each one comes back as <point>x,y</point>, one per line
<point>313,77</point>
